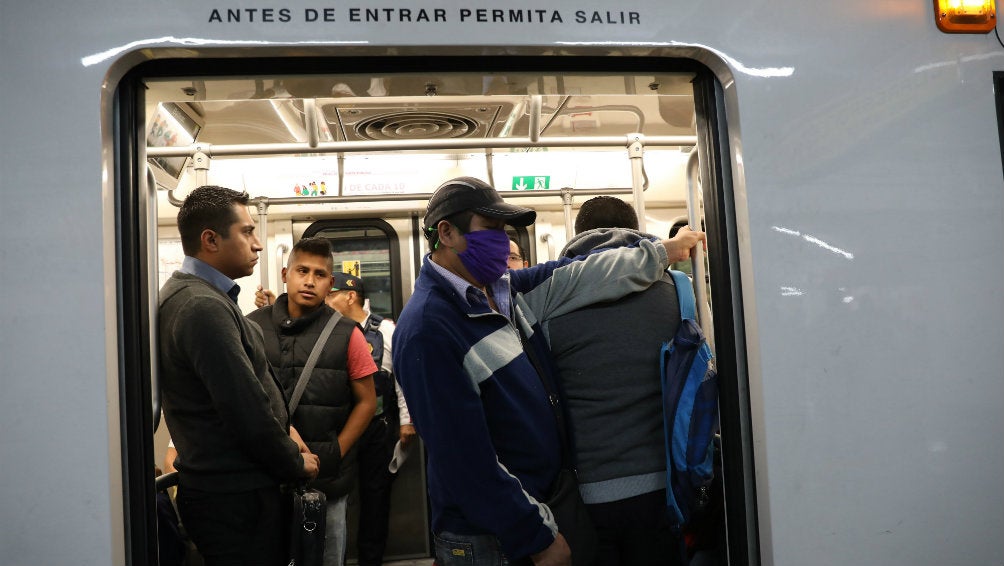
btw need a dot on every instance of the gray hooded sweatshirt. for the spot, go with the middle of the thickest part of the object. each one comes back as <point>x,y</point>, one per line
<point>607,356</point>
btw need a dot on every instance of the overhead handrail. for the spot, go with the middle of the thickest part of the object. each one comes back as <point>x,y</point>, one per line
<point>410,145</point>
<point>557,112</point>
<point>697,253</point>
<point>280,201</point>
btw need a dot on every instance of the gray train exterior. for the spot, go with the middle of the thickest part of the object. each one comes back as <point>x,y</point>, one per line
<point>868,216</point>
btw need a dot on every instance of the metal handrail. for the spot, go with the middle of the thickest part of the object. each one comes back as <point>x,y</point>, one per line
<point>152,292</point>
<point>413,145</point>
<point>697,254</point>
<point>164,481</point>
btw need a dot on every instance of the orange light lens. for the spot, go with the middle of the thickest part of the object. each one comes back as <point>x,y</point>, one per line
<point>965,16</point>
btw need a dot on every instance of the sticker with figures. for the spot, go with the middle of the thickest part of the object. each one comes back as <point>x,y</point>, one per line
<point>351,267</point>
<point>311,189</point>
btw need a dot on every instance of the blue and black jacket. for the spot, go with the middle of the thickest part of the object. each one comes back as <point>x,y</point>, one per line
<point>476,399</point>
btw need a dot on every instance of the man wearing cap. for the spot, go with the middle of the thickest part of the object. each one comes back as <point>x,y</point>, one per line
<point>391,423</point>
<point>474,394</point>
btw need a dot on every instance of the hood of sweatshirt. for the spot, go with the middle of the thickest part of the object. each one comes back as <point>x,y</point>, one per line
<point>590,240</point>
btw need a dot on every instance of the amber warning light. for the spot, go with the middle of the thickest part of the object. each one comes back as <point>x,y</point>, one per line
<point>965,16</point>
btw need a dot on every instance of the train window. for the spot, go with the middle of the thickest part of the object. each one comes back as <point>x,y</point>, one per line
<point>350,149</point>
<point>367,249</point>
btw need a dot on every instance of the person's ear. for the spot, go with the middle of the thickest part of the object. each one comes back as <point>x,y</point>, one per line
<point>449,235</point>
<point>210,240</point>
<point>284,274</point>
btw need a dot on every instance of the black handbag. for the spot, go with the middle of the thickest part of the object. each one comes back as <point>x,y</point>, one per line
<point>306,540</point>
<point>310,506</point>
<point>573,518</point>
<point>565,501</point>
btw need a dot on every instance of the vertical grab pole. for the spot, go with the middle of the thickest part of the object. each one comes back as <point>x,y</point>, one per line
<point>536,103</point>
<point>636,151</point>
<point>697,254</point>
<point>566,203</point>
<point>152,289</point>
<point>310,113</point>
<point>263,236</point>
<point>200,162</point>
<point>280,262</point>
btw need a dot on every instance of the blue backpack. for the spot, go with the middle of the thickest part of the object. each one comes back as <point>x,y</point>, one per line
<point>690,408</point>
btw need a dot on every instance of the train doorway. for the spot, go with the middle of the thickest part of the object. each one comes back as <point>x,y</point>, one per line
<point>329,142</point>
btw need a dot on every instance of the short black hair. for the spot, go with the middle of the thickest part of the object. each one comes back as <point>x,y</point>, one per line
<point>208,206</point>
<point>462,220</point>
<point>605,212</point>
<point>320,247</point>
<point>518,247</point>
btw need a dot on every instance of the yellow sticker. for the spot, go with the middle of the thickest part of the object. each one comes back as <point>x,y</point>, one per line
<point>459,552</point>
<point>352,267</point>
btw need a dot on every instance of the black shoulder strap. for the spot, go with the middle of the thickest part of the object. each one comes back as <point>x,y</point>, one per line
<point>301,383</point>
<point>552,399</point>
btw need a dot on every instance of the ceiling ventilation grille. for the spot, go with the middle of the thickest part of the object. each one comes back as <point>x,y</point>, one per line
<point>416,125</point>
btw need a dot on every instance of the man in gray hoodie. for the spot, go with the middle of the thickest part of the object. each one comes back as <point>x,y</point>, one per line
<point>607,356</point>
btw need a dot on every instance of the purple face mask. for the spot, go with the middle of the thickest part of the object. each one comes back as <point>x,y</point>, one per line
<point>486,255</point>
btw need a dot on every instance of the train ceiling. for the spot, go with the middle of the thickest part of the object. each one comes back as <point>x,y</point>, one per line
<point>414,107</point>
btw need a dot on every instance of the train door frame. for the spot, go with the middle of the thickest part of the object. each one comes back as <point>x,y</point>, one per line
<point>999,100</point>
<point>136,336</point>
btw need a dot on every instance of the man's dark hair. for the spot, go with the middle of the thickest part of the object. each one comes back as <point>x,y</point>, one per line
<point>320,247</point>
<point>462,220</point>
<point>208,206</point>
<point>518,247</point>
<point>605,212</point>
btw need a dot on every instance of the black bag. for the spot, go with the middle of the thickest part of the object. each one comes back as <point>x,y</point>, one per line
<point>306,540</point>
<point>565,501</point>
<point>573,519</point>
<point>310,506</point>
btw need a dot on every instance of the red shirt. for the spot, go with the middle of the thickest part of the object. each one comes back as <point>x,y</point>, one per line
<point>360,361</point>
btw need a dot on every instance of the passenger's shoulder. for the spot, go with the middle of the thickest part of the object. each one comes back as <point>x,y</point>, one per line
<point>261,315</point>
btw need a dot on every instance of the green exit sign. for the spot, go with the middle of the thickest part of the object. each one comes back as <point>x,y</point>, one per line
<point>531,183</point>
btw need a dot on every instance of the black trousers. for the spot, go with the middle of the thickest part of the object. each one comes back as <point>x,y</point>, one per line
<point>635,532</point>
<point>375,450</point>
<point>237,529</point>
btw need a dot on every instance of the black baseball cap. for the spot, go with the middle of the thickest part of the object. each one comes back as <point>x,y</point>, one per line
<point>468,193</point>
<point>346,282</point>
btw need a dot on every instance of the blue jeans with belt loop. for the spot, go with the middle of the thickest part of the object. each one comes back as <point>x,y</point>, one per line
<point>470,550</point>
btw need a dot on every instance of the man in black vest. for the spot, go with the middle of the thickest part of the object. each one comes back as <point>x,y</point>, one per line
<point>339,399</point>
<point>392,422</point>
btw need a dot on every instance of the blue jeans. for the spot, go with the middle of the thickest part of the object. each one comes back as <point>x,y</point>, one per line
<point>335,532</point>
<point>468,550</point>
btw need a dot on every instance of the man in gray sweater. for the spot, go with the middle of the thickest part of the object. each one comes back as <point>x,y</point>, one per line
<point>607,356</point>
<point>223,407</point>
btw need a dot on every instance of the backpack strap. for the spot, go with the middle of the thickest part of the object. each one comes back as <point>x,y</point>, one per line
<point>684,295</point>
<point>373,324</point>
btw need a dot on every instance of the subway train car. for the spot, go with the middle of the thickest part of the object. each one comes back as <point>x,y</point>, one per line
<point>844,158</point>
